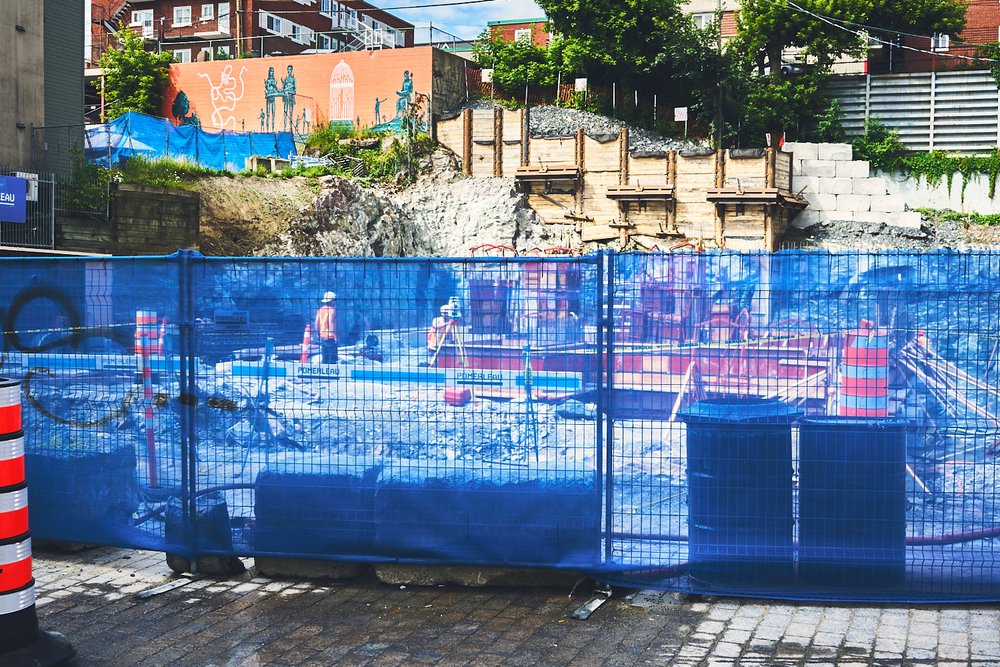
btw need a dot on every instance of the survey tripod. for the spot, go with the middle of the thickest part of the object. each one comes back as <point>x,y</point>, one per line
<point>453,329</point>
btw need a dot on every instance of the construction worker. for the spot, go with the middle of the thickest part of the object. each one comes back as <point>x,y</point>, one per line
<point>326,328</point>
<point>438,330</point>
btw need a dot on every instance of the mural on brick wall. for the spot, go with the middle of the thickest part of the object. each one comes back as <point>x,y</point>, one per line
<point>300,93</point>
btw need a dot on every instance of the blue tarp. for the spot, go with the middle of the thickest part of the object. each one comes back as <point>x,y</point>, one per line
<point>701,434</point>
<point>146,136</point>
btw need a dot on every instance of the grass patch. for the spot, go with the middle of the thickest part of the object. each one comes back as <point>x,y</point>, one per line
<point>967,219</point>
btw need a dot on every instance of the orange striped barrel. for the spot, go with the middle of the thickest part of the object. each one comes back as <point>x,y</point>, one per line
<point>864,374</point>
<point>18,620</point>
<point>146,328</point>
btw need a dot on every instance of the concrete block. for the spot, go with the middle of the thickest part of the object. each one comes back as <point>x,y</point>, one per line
<point>872,217</point>
<point>307,568</point>
<point>838,152</point>
<point>889,203</point>
<point>836,186</point>
<point>801,150</point>
<point>429,575</point>
<point>807,218</point>
<point>869,186</point>
<point>819,168</point>
<point>796,167</point>
<point>854,169</point>
<point>909,219</point>
<point>806,185</point>
<point>854,203</point>
<point>822,202</point>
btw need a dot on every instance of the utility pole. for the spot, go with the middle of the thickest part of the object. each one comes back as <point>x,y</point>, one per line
<point>239,28</point>
<point>720,117</point>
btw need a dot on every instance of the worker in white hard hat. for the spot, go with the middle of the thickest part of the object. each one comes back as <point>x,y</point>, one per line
<point>438,330</point>
<point>326,328</point>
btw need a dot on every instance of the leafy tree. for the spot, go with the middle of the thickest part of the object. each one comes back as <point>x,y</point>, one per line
<point>647,45</point>
<point>134,78</point>
<point>516,63</point>
<point>821,31</point>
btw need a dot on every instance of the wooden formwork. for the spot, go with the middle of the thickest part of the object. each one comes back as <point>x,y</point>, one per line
<point>740,199</point>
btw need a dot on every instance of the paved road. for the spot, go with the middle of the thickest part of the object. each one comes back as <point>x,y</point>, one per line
<point>254,621</point>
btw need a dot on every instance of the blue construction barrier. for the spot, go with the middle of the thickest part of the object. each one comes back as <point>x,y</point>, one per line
<point>136,134</point>
<point>804,425</point>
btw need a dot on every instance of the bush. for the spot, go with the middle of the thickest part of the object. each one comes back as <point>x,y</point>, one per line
<point>880,146</point>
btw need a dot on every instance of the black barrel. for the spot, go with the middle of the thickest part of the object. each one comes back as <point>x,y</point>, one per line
<point>852,501</point>
<point>739,473</point>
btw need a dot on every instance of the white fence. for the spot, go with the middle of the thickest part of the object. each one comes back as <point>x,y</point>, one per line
<point>948,111</point>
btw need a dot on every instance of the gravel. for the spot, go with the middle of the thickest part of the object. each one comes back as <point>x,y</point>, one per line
<point>850,235</point>
<point>551,121</point>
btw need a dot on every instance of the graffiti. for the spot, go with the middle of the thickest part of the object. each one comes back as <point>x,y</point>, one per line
<point>342,93</point>
<point>180,110</point>
<point>224,96</point>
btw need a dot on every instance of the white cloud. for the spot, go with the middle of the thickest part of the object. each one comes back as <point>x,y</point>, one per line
<point>465,21</point>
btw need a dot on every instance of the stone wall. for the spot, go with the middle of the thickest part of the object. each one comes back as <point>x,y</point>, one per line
<point>144,221</point>
<point>839,187</point>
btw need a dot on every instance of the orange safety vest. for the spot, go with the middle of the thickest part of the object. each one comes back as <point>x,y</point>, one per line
<point>438,327</point>
<point>326,323</point>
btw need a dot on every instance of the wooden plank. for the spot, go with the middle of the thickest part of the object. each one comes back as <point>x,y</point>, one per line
<point>591,233</point>
<point>553,151</point>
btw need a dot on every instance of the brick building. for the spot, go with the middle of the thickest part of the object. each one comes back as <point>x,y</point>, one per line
<point>537,31</point>
<point>195,30</point>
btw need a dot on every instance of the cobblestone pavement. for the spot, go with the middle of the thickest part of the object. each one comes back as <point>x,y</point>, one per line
<point>249,621</point>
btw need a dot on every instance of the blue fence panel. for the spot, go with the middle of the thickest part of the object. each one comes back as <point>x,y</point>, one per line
<point>800,424</point>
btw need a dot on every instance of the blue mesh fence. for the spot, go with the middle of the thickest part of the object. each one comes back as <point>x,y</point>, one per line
<point>135,134</point>
<point>799,424</point>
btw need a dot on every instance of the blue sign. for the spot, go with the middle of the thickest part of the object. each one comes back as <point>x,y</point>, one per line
<point>13,199</point>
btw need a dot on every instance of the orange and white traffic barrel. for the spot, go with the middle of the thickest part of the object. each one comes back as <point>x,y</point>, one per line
<point>21,642</point>
<point>147,331</point>
<point>864,373</point>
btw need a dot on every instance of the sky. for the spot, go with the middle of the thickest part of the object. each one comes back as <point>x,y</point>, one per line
<point>463,20</point>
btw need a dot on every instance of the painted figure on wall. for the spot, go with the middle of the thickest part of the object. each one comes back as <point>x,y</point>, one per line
<point>270,94</point>
<point>403,95</point>
<point>180,108</point>
<point>263,121</point>
<point>342,93</point>
<point>288,99</point>
<point>378,110</point>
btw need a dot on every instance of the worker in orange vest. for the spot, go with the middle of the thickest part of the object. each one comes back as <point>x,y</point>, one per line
<point>326,328</point>
<point>438,330</point>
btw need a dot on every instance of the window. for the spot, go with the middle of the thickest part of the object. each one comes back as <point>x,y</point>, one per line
<point>940,41</point>
<point>323,42</point>
<point>143,18</point>
<point>182,16</point>
<point>224,17</point>
<point>207,12</point>
<point>522,35</point>
<point>327,7</point>
<point>703,20</point>
<point>296,32</point>
<point>182,55</point>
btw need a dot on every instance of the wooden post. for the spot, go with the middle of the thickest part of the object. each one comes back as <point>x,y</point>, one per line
<point>498,142</point>
<point>771,210</point>
<point>671,205</point>
<point>720,211</point>
<point>525,138</point>
<point>581,160</point>
<point>771,166</point>
<point>467,141</point>
<point>623,156</point>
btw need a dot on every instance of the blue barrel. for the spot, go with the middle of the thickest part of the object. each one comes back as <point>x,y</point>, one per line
<point>852,502</point>
<point>739,474</point>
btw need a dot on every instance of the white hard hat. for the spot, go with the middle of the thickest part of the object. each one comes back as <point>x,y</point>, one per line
<point>328,297</point>
<point>445,308</point>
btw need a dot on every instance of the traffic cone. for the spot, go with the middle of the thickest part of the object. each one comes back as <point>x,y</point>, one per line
<point>21,642</point>
<point>306,345</point>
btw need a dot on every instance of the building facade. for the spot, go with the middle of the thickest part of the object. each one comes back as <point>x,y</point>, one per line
<point>194,30</point>
<point>537,31</point>
<point>42,77</point>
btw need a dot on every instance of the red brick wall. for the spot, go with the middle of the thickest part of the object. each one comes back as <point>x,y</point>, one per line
<point>539,31</point>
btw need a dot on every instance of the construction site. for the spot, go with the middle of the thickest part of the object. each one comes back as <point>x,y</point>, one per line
<point>792,424</point>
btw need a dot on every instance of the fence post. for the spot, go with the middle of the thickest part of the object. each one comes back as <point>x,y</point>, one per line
<point>933,112</point>
<point>52,210</point>
<point>188,395</point>
<point>608,367</point>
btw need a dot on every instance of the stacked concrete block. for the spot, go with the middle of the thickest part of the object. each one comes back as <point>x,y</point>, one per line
<point>839,188</point>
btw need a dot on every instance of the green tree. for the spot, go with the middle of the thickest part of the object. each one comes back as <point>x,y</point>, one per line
<point>648,45</point>
<point>516,63</point>
<point>134,78</point>
<point>779,99</point>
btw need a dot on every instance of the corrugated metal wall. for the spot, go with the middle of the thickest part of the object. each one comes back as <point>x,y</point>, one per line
<point>948,111</point>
